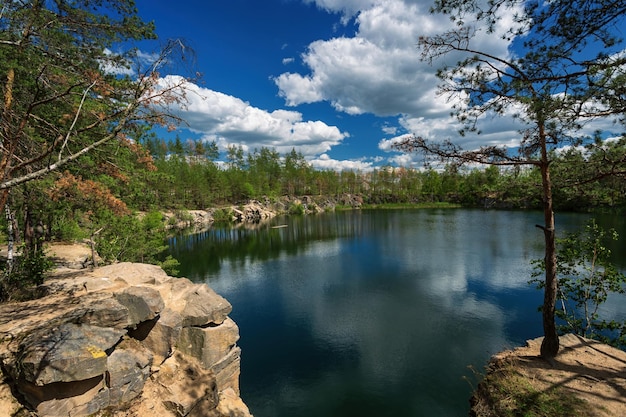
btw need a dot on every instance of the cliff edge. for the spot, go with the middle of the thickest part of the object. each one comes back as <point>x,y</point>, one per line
<point>121,340</point>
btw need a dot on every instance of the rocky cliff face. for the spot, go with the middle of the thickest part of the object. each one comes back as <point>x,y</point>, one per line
<point>122,340</point>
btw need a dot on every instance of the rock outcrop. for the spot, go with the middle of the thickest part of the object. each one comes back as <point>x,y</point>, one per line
<point>122,340</point>
<point>258,211</point>
<point>253,212</point>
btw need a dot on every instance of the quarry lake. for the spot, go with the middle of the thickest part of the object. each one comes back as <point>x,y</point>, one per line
<point>375,312</point>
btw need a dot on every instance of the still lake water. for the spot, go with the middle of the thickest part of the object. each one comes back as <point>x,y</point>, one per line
<point>375,313</point>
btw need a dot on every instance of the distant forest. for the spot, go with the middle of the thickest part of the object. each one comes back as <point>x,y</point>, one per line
<point>185,174</point>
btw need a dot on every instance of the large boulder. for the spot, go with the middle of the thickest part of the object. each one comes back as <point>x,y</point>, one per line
<point>123,337</point>
<point>215,348</point>
<point>128,368</point>
<point>143,303</point>
<point>253,212</point>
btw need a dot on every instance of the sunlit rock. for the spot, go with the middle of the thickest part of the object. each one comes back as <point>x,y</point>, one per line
<point>86,348</point>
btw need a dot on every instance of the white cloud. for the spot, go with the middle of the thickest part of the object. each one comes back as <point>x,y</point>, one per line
<point>347,8</point>
<point>376,70</point>
<point>325,162</point>
<point>379,71</point>
<point>230,120</point>
<point>390,130</point>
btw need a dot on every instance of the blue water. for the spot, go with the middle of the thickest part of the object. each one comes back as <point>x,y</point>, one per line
<point>373,313</point>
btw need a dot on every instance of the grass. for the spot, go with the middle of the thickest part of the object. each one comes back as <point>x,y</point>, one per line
<point>505,392</point>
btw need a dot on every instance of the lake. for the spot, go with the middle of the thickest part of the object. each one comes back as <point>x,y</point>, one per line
<point>375,312</point>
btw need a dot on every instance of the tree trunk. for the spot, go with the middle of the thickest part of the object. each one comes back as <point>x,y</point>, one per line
<point>5,126</point>
<point>550,344</point>
<point>10,240</point>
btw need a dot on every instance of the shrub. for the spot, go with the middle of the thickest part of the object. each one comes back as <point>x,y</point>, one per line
<point>27,271</point>
<point>296,208</point>
<point>586,278</point>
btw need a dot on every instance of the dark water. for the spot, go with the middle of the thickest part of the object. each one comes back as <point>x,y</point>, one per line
<point>375,313</point>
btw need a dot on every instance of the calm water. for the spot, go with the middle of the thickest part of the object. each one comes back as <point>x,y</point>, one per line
<point>375,313</point>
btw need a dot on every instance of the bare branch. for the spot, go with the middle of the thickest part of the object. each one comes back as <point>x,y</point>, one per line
<point>61,162</point>
<point>78,112</point>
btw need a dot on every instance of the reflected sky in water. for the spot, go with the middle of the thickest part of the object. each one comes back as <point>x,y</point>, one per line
<point>372,313</point>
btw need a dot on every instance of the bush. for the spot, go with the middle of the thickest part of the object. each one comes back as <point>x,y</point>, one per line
<point>67,230</point>
<point>170,266</point>
<point>27,271</point>
<point>296,209</point>
<point>127,238</point>
<point>586,277</point>
<point>224,215</point>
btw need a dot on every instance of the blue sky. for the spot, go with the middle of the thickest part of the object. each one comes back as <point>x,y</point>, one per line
<point>337,80</point>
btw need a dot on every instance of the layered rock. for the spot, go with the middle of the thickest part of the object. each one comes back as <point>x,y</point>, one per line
<point>125,339</point>
<point>253,212</point>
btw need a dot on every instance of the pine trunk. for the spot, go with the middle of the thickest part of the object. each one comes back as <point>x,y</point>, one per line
<point>550,344</point>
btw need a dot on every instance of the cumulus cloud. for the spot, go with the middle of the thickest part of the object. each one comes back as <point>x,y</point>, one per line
<point>325,162</point>
<point>230,120</point>
<point>379,71</point>
<point>374,70</point>
<point>390,130</point>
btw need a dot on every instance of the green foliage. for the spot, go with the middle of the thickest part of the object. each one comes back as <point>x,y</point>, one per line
<point>170,265</point>
<point>56,61</point>
<point>197,182</point>
<point>67,229</point>
<point>586,278</point>
<point>247,191</point>
<point>224,215</point>
<point>296,209</point>
<point>128,238</point>
<point>28,270</point>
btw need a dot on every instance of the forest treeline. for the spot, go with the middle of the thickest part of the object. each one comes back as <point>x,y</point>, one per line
<point>186,175</point>
<point>157,175</point>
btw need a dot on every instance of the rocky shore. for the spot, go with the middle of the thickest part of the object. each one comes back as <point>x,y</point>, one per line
<point>257,211</point>
<point>121,340</point>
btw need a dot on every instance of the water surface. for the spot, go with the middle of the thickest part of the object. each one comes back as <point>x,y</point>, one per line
<point>373,313</point>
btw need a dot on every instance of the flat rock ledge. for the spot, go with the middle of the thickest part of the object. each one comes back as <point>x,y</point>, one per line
<point>121,340</point>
